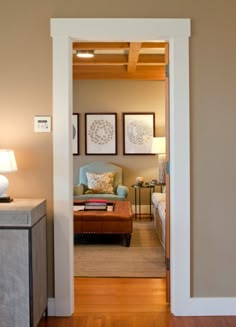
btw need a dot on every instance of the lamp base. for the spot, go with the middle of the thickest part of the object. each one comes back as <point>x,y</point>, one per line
<point>5,199</point>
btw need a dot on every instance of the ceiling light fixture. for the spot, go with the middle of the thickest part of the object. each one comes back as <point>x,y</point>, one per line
<point>85,53</point>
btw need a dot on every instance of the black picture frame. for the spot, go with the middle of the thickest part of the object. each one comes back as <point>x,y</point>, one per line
<point>75,134</point>
<point>138,132</point>
<point>101,133</point>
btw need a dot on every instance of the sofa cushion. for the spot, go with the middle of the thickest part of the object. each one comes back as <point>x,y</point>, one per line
<point>157,198</point>
<point>100,183</point>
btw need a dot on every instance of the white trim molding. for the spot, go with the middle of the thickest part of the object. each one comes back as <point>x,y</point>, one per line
<point>51,306</point>
<point>62,176</point>
<point>177,33</point>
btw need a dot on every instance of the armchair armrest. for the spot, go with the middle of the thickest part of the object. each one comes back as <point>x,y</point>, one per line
<point>79,189</point>
<point>122,190</point>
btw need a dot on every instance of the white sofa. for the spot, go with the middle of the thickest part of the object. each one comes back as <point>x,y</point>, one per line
<point>159,211</point>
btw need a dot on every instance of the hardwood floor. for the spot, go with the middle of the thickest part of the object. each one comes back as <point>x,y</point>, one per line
<point>127,302</point>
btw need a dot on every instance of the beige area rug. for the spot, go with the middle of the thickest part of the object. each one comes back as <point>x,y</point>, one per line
<point>107,257</point>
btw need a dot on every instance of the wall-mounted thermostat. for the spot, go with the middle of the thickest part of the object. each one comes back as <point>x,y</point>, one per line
<point>42,124</point>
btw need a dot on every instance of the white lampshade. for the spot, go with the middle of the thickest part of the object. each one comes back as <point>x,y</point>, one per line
<point>159,145</point>
<point>7,165</point>
<point>7,161</point>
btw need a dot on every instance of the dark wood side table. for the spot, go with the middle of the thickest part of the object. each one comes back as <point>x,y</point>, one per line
<point>138,198</point>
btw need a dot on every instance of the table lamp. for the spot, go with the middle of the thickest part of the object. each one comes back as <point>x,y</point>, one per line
<point>159,147</point>
<point>7,165</point>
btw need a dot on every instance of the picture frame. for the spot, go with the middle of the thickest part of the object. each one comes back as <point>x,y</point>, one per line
<point>138,132</point>
<point>75,134</point>
<point>101,133</point>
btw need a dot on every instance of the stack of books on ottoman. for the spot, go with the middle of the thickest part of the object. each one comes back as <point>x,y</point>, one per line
<point>98,204</point>
<point>95,204</point>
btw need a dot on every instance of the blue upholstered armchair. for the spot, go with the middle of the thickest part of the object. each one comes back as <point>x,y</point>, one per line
<point>100,180</point>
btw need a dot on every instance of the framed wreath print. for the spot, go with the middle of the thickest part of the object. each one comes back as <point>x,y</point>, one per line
<point>138,132</point>
<point>100,133</point>
<point>75,134</point>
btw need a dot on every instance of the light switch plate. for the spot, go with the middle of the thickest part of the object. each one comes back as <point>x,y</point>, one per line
<point>42,124</point>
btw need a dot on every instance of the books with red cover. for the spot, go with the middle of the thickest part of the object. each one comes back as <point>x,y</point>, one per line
<point>96,200</point>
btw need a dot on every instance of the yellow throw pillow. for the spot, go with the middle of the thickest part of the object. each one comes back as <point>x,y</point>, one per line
<point>100,183</point>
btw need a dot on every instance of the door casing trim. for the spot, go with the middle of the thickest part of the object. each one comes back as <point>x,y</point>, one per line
<point>177,33</point>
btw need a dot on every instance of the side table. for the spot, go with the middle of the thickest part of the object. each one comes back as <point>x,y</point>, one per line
<point>23,262</point>
<point>138,198</point>
<point>161,185</point>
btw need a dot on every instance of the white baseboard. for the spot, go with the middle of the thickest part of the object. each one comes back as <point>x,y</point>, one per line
<point>51,306</point>
<point>194,307</point>
<point>206,307</point>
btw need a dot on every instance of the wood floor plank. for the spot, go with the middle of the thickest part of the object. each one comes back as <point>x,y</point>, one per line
<point>127,302</point>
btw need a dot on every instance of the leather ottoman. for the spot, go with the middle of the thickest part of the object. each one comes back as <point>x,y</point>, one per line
<point>118,221</point>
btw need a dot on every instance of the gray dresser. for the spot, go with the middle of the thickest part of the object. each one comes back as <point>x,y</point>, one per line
<point>23,263</point>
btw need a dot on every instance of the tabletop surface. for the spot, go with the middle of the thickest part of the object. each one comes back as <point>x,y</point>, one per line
<point>144,185</point>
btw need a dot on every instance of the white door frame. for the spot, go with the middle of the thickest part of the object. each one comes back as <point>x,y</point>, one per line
<point>177,33</point>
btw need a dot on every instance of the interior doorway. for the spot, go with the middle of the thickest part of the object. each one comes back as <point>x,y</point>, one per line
<point>101,84</point>
<point>176,32</point>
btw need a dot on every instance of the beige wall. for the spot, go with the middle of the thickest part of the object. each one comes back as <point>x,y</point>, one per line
<point>26,90</point>
<point>118,97</point>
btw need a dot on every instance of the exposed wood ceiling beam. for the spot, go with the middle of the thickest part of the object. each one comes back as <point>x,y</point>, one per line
<point>117,59</point>
<point>101,59</point>
<point>133,56</point>
<point>153,45</point>
<point>100,45</point>
<point>114,45</point>
<point>151,59</point>
<point>121,60</point>
<point>119,72</point>
<point>148,69</point>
